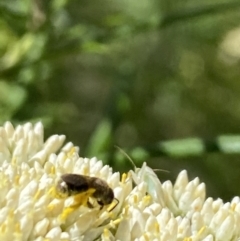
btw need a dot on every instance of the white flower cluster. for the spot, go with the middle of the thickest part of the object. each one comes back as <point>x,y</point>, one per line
<point>146,210</point>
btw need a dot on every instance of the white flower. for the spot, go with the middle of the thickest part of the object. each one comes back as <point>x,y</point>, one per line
<point>146,210</point>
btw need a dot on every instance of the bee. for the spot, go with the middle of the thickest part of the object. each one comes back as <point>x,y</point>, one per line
<point>85,187</point>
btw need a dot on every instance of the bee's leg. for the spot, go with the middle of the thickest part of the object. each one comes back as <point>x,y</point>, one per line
<point>79,200</point>
<point>82,199</point>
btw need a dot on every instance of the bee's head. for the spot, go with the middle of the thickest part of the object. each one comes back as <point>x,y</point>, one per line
<point>62,188</point>
<point>107,197</point>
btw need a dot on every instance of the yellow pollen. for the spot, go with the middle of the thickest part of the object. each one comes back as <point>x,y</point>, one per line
<point>106,233</point>
<point>14,161</point>
<point>112,224</point>
<point>82,198</point>
<point>233,206</point>
<point>52,192</point>
<point>146,199</point>
<point>117,221</point>
<point>85,171</point>
<point>16,180</point>
<point>71,152</point>
<point>157,228</point>
<point>50,207</point>
<point>64,156</point>
<point>36,196</point>
<point>17,228</point>
<point>53,170</point>
<point>125,211</point>
<point>200,232</point>
<point>3,228</point>
<point>11,214</point>
<point>187,239</point>
<point>124,177</point>
<point>135,199</point>
<point>146,237</point>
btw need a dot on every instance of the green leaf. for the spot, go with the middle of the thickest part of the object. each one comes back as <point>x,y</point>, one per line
<point>12,98</point>
<point>100,139</point>
<point>186,147</point>
<point>229,144</point>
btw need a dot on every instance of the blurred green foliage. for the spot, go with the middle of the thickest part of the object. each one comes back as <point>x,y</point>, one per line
<point>131,74</point>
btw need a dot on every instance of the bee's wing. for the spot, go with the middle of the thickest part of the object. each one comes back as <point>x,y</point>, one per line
<point>76,183</point>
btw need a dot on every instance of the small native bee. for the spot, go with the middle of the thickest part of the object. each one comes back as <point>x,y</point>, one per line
<point>85,187</point>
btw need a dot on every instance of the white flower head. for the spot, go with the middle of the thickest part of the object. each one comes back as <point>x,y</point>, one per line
<point>38,203</point>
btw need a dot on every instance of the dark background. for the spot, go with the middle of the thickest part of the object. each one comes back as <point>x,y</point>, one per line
<point>128,73</point>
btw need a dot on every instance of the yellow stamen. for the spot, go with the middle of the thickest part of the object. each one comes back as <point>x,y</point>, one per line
<point>124,177</point>
<point>50,207</point>
<point>71,152</point>
<point>11,213</point>
<point>36,196</point>
<point>146,237</point>
<point>125,211</point>
<point>106,233</point>
<point>147,199</point>
<point>85,171</point>
<point>233,206</point>
<point>53,170</point>
<point>17,228</point>
<point>3,228</point>
<point>201,230</point>
<point>14,161</point>
<point>16,180</point>
<point>117,221</point>
<point>135,199</point>
<point>157,227</point>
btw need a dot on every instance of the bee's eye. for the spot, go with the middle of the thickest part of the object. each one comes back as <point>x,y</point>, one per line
<point>62,187</point>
